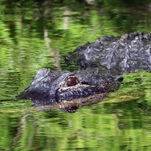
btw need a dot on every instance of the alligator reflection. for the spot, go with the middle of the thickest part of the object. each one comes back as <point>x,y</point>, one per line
<point>74,105</point>
<point>68,90</point>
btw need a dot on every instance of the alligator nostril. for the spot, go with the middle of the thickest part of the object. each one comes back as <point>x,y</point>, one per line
<point>119,78</point>
<point>83,82</point>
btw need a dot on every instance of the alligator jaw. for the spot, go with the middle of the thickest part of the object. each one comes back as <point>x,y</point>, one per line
<point>83,93</point>
<point>83,87</point>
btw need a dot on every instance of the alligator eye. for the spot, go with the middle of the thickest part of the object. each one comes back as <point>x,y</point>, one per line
<point>72,81</point>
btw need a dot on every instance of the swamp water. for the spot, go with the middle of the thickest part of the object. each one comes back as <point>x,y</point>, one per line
<point>38,34</point>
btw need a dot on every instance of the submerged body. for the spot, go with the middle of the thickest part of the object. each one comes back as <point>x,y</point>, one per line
<point>115,55</point>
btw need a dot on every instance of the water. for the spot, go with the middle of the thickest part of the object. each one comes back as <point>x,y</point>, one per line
<point>38,34</point>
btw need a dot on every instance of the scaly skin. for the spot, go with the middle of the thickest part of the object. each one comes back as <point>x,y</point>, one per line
<point>115,55</point>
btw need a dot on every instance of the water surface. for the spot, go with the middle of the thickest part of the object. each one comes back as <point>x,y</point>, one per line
<point>38,34</point>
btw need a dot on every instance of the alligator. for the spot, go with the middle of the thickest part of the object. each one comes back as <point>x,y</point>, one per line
<point>112,56</point>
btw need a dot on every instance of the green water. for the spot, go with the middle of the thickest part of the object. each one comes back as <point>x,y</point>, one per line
<point>36,34</point>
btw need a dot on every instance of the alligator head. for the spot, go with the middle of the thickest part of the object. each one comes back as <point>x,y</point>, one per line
<point>68,90</point>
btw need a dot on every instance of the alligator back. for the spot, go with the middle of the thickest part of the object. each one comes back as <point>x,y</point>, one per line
<point>116,55</point>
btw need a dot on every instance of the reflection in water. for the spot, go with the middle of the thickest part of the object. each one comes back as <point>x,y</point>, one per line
<point>54,54</point>
<point>72,106</point>
<point>113,126</point>
<point>122,125</point>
